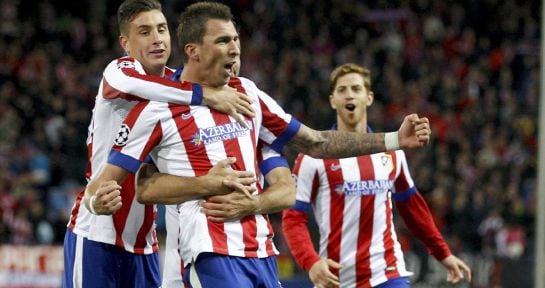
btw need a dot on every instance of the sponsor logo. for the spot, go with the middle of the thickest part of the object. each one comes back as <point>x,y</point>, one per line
<point>223,132</point>
<point>186,116</point>
<point>364,188</point>
<point>122,135</point>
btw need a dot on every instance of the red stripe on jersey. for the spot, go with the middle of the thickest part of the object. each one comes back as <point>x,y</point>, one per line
<point>271,120</point>
<point>109,92</point>
<point>152,142</point>
<point>75,210</point>
<point>131,72</point>
<point>196,152</point>
<point>268,242</point>
<point>297,163</point>
<point>89,167</point>
<point>335,178</point>
<point>388,240</point>
<point>401,184</point>
<point>141,240</point>
<point>120,217</point>
<point>363,257</point>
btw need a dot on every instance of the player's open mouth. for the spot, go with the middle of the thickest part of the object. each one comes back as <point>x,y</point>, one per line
<point>350,107</point>
<point>157,51</point>
<point>229,66</point>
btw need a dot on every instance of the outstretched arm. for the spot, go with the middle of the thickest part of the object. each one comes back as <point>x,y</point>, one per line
<point>414,132</point>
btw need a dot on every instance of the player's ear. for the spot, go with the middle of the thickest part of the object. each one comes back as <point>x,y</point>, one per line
<point>192,51</point>
<point>332,102</point>
<point>370,98</point>
<point>124,42</point>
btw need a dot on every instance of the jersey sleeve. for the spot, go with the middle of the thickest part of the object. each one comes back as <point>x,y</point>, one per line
<point>125,78</point>
<point>295,219</point>
<point>277,126</point>
<point>139,133</point>
<point>270,159</point>
<point>416,214</point>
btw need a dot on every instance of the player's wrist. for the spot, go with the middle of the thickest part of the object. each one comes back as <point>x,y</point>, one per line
<point>91,205</point>
<point>391,141</point>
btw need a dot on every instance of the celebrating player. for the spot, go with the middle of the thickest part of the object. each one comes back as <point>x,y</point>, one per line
<point>120,250</point>
<point>351,201</point>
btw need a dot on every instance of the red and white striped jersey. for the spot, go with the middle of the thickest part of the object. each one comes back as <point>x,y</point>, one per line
<point>351,201</point>
<point>173,267</point>
<point>188,141</point>
<point>132,228</point>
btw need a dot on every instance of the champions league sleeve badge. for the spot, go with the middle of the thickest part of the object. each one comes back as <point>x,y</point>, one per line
<point>122,135</point>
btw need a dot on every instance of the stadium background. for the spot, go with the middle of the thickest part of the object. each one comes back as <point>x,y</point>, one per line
<point>470,66</point>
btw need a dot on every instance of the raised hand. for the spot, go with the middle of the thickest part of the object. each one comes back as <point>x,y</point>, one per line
<point>321,276</point>
<point>229,101</point>
<point>414,132</point>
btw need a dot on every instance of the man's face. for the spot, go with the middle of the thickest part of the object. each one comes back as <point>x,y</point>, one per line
<point>350,99</point>
<point>219,53</point>
<point>148,41</point>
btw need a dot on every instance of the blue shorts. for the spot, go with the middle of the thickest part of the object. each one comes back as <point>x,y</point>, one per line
<point>400,282</point>
<point>92,264</point>
<point>215,270</point>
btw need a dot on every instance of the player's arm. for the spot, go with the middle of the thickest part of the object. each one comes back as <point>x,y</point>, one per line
<point>280,194</point>
<point>417,217</point>
<point>295,230</point>
<point>161,188</point>
<point>282,129</point>
<point>103,194</point>
<point>414,132</point>
<point>419,220</point>
<point>124,77</point>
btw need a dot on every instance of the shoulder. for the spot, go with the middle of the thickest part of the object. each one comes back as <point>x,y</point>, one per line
<point>125,62</point>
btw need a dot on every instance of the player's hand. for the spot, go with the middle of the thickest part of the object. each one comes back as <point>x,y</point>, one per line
<point>222,173</point>
<point>457,269</point>
<point>414,132</point>
<point>229,101</point>
<point>321,276</point>
<point>232,206</point>
<point>107,198</point>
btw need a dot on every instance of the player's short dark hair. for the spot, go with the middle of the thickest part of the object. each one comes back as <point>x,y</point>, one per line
<point>347,69</point>
<point>129,9</point>
<point>192,22</point>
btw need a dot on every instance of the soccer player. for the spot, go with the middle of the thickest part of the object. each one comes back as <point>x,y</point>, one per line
<point>120,250</point>
<point>351,201</point>
<point>216,252</point>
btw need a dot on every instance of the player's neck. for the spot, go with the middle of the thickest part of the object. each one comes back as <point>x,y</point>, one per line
<point>192,73</point>
<point>360,127</point>
<point>159,71</point>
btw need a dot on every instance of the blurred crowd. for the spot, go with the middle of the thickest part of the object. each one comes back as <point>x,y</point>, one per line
<point>471,67</point>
